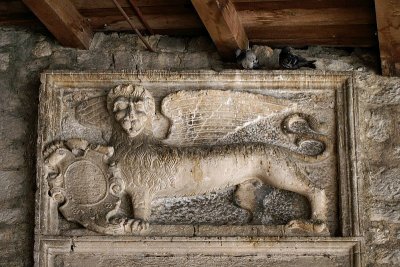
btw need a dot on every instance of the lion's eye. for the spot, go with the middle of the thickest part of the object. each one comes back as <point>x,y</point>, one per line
<point>119,115</point>
<point>139,106</point>
<point>120,105</point>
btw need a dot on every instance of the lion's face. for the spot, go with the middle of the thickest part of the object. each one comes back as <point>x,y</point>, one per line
<point>131,114</point>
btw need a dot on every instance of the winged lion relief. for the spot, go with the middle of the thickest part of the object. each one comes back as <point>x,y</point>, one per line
<point>189,143</point>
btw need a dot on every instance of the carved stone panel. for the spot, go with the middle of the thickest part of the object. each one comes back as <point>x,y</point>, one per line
<point>193,154</point>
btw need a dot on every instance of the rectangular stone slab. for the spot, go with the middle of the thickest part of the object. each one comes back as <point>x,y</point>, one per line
<point>324,99</point>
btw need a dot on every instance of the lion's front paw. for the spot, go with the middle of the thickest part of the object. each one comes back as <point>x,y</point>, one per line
<point>307,227</point>
<point>134,225</point>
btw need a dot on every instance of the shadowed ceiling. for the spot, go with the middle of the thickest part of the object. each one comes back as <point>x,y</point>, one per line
<point>231,23</point>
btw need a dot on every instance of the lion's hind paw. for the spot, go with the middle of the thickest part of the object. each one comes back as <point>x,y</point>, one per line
<point>300,227</point>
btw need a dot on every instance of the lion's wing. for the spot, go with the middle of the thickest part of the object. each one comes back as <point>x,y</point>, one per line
<point>208,117</point>
<point>93,113</point>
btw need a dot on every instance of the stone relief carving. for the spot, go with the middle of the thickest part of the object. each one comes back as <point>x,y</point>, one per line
<point>192,143</point>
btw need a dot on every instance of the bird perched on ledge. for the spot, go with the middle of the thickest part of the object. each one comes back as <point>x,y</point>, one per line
<point>287,60</point>
<point>247,59</point>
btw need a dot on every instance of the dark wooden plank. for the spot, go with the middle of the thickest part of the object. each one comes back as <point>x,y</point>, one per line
<point>20,20</point>
<point>13,7</point>
<point>304,4</point>
<point>223,24</point>
<point>63,20</point>
<point>186,32</point>
<point>139,14</point>
<point>167,19</point>
<point>306,17</point>
<point>155,10</point>
<point>388,22</point>
<point>85,4</point>
<point>14,12</point>
<point>332,35</point>
<point>168,23</point>
<point>159,18</point>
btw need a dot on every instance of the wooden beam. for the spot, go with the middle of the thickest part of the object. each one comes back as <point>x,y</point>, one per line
<point>307,17</point>
<point>85,4</point>
<point>141,17</point>
<point>388,22</point>
<point>223,24</point>
<point>304,4</point>
<point>63,20</point>
<point>348,35</point>
<point>171,19</point>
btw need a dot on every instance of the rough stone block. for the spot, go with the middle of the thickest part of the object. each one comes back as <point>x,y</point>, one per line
<point>12,128</point>
<point>112,42</point>
<point>13,134</point>
<point>7,37</point>
<point>14,184</point>
<point>10,103</point>
<point>94,60</point>
<point>166,61</point>
<point>15,245</point>
<point>379,127</point>
<point>391,258</point>
<point>200,44</point>
<point>396,152</point>
<point>126,60</point>
<point>42,49</point>
<point>152,40</point>
<point>63,59</point>
<point>13,215</point>
<point>4,61</point>
<point>97,41</point>
<point>194,61</point>
<point>13,156</point>
<point>171,44</point>
<point>378,90</point>
<point>385,184</point>
<point>386,212</point>
<point>379,236</point>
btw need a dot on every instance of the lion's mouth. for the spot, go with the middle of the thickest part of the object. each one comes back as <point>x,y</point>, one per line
<point>132,127</point>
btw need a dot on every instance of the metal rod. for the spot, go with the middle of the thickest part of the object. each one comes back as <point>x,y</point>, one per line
<point>133,26</point>
<point>141,17</point>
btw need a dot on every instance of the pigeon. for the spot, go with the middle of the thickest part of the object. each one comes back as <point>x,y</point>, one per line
<point>292,62</point>
<point>247,59</point>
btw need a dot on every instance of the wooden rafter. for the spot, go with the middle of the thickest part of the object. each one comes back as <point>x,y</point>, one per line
<point>141,17</point>
<point>63,20</point>
<point>223,24</point>
<point>146,43</point>
<point>388,22</point>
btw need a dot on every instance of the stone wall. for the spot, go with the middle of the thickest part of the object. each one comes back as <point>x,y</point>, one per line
<point>24,54</point>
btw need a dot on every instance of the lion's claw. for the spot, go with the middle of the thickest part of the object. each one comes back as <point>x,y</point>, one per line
<point>134,225</point>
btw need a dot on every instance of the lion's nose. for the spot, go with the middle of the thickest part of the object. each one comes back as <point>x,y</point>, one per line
<point>132,115</point>
<point>132,112</point>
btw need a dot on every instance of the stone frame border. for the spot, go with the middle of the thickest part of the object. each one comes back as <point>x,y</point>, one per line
<point>350,223</point>
<point>162,247</point>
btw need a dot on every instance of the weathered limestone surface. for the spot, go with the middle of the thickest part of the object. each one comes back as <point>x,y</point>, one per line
<point>379,139</point>
<point>25,54</point>
<point>167,139</point>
